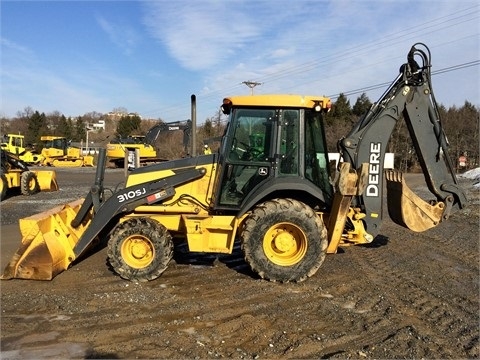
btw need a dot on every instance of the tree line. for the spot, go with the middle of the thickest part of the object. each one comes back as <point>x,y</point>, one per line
<point>33,124</point>
<point>460,124</point>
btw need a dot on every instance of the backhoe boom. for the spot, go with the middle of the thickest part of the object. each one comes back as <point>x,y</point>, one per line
<point>409,97</point>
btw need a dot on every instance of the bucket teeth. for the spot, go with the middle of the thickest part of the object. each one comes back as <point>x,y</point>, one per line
<point>406,208</point>
<point>34,263</point>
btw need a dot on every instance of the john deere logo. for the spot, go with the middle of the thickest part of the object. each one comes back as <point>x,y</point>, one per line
<point>263,171</point>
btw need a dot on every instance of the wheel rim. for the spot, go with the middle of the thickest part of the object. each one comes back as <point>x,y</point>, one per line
<point>137,251</point>
<point>285,244</point>
<point>32,184</point>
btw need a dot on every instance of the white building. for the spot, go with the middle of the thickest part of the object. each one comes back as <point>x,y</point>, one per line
<point>100,124</point>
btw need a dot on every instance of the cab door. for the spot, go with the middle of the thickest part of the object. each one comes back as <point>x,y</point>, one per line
<point>247,156</point>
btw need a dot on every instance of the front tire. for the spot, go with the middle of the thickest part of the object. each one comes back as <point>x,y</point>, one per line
<point>284,240</point>
<point>3,187</point>
<point>29,183</point>
<point>140,249</point>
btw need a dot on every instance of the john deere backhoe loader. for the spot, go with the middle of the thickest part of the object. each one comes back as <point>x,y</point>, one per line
<point>268,186</point>
<point>15,174</point>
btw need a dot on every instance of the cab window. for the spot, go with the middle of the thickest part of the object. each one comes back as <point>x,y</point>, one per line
<point>249,154</point>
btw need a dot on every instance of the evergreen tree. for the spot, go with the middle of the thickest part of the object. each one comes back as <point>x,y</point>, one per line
<point>64,127</point>
<point>80,130</point>
<point>127,125</point>
<point>36,123</point>
<point>341,108</point>
<point>362,105</point>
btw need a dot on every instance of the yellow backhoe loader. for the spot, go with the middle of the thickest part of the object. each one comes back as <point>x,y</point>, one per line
<point>57,152</point>
<point>269,187</point>
<point>15,174</point>
<point>15,144</point>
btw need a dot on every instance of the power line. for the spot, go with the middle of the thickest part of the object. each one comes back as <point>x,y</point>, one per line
<point>382,85</point>
<point>441,23</point>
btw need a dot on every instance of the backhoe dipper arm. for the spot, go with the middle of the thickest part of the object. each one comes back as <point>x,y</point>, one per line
<point>409,96</point>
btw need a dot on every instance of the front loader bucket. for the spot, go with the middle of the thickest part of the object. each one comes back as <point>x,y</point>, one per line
<point>406,208</point>
<point>47,180</point>
<point>47,246</point>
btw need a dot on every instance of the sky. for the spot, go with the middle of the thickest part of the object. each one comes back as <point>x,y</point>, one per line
<point>149,57</point>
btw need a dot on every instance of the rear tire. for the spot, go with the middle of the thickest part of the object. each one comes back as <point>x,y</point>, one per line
<point>140,249</point>
<point>29,183</point>
<point>3,187</point>
<point>284,240</point>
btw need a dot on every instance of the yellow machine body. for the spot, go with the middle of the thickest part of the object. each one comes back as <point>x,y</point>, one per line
<point>57,153</point>
<point>118,151</point>
<point>47,180</point>
<point>189,214</point>
<point>16,175</point>
<point>15,144</point>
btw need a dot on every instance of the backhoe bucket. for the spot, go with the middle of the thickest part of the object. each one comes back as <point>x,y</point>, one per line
<point>47,180</point>
<point>47,246</point>
<point>406,208</point>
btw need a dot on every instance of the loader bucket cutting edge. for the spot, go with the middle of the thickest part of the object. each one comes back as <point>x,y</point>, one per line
<point>47,180</point>
<point>407,209</point>
<point>47,244</point>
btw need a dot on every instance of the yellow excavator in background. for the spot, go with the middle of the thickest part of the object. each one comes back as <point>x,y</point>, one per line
<point>15,144</point>
<point>15,174</point>
<point>57,152</point>
<point>269,186</point>
<point>120,149</point>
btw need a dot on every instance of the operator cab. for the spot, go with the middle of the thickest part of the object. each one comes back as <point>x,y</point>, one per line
<point>273,144</point>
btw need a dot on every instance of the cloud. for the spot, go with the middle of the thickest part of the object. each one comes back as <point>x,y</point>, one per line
<point>201,34</point>
<point>10,45</point>
<point>353,44</point>
<point>75,89</point>
<point>210,47</point>
<point>122,35</point>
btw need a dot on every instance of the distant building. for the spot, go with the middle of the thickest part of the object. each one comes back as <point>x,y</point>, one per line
<point>118,115</point>
<point>100,124</point>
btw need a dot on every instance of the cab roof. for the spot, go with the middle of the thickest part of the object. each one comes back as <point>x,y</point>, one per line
<point>284,100</point>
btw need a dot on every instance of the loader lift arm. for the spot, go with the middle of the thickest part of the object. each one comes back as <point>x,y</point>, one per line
<point>409,96</point>
<point>69,240</point>
<point>126,200</point>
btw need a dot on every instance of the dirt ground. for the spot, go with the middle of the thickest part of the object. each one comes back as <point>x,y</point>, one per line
<point>406,295</point>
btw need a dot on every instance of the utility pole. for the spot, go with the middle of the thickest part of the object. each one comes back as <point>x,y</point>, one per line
<point>87,128</point>
<point>251,85</point>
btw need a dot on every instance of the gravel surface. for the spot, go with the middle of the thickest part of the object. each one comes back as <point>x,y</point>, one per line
<point>406,295</point>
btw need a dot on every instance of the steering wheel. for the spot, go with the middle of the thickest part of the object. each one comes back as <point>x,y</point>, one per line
<point>251,153</point>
